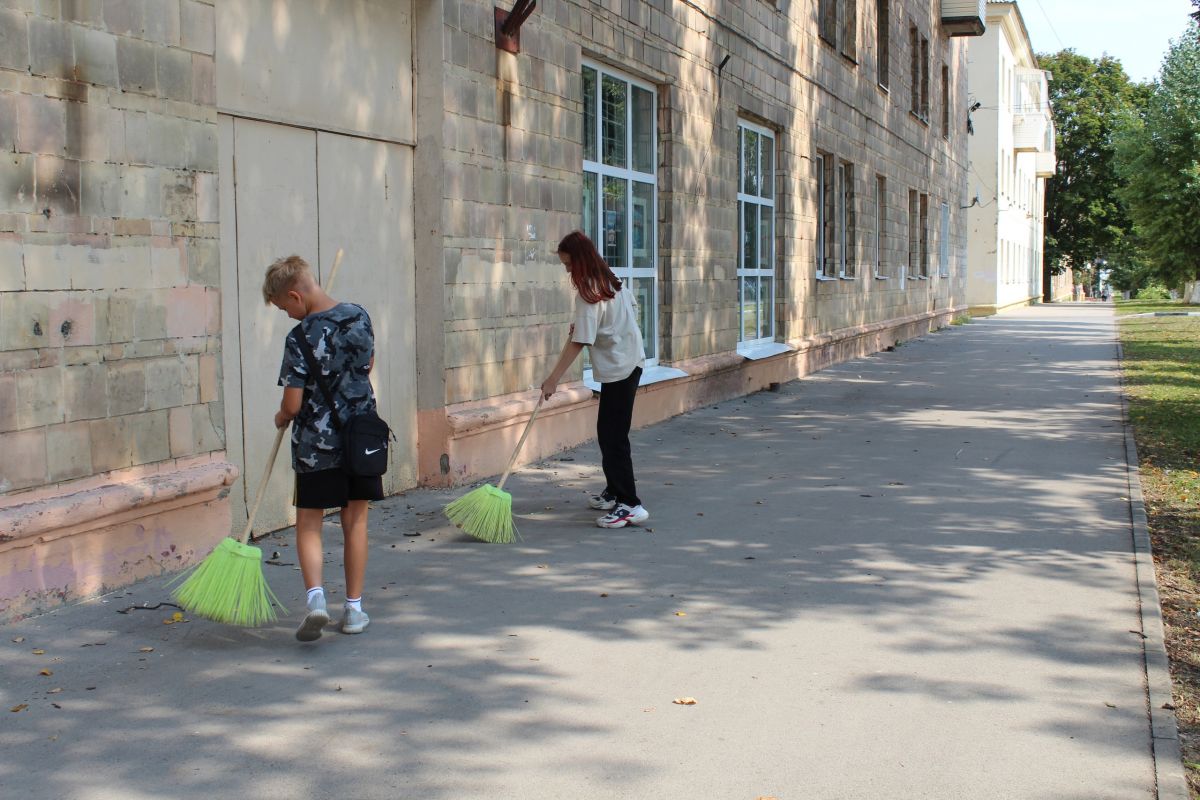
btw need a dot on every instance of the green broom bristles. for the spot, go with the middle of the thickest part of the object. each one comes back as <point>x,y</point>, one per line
<point>228,586</point>
<point>486,514</point>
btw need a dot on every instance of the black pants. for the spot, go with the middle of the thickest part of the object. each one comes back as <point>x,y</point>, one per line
<point>612,432</point>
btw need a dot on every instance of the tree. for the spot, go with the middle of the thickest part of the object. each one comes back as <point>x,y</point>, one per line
<point>1085,219</point>
<point>1158,156</point>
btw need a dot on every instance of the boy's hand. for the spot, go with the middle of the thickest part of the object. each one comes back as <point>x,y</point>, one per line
<point>549,387</point>
<point>281,419</point>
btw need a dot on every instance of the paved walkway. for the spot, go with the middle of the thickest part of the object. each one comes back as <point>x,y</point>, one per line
<point>909,576</point>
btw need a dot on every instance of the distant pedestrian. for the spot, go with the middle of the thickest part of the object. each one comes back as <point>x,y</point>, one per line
<point>605,322</point>
<point>342,342</point>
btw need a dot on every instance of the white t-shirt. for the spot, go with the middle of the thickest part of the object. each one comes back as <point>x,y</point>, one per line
<point>610,328</point>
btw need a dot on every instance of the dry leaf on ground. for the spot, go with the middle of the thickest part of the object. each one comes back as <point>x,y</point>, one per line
<point>145,649</point>
<point>39,652</point>
<point>46,672</point>
<point>20,707</point>
<point>684,701</point>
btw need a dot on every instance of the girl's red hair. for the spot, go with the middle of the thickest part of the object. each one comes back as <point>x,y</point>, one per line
<point>592,277</point>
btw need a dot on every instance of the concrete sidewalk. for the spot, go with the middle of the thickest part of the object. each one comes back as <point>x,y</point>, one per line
<point>909,576</point>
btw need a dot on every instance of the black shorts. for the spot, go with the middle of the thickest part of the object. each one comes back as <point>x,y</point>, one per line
<point>333,488</point>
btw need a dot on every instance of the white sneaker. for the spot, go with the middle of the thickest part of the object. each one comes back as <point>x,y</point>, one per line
<point>354,620</point>
<point>623,515</point>
<point>314,621</point>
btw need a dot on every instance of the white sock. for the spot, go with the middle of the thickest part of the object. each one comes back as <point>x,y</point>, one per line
<point>315,592</point>
<point>354,602</point>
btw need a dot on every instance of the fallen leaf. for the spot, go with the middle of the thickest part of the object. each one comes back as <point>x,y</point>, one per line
<point>169,621</point>
<point>39,652</point>
<point>1110,705</point>
<point>684,701</point>
<point>681,613</point>
<point>177,616</point>
<point>56,705</point>
<point>647,710</point>
<point>20,707</point>
<point>18,639</point>
<point>543,566</point>
<point>604,594</point>
<point>145,649</point>
<point>54,691</point>
<point>46,672</point>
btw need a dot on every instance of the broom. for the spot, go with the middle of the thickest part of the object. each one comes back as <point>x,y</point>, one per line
<point>486,512</point>
<point>228,585</point>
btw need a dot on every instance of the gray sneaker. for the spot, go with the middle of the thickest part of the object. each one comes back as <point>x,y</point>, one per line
<point>316,619</point>
<point>354,621</point>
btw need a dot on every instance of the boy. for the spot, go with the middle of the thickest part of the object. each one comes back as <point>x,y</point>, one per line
<point>343,344</point>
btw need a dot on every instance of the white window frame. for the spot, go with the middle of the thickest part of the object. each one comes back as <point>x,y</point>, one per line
<point>766,135</point>
<point>629,175</point>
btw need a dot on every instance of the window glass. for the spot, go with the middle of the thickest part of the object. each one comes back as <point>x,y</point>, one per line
<point>615,221</point>
<point>643,130</point>
<point>614,116</point>
<point>589,114</point>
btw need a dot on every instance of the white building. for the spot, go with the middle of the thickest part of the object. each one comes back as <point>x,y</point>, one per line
<point>1011,154</point>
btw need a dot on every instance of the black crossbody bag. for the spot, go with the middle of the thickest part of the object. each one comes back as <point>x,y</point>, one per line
<point>365,437</point>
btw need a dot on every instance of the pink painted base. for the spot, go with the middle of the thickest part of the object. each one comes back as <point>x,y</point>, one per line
<point>81,543</point>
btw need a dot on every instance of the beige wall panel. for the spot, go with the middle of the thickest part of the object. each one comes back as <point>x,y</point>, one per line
<point>366,196</point>
<point>276,196</point>
<point>343,66</point>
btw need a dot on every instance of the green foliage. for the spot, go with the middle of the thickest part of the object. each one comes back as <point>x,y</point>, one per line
<point>1159,160</point>
<point>1085,218</point>
<point>1153,291</point>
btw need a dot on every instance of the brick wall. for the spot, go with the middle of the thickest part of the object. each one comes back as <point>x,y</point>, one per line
<point>109,347</point>
<point>514,179</point>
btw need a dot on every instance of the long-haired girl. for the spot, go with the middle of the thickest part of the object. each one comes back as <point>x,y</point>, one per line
<point>606,322</point>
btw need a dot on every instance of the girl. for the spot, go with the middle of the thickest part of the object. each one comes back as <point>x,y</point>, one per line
<point>605,321</point>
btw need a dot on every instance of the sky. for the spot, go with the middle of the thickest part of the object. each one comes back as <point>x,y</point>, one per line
<point>1135,32</point>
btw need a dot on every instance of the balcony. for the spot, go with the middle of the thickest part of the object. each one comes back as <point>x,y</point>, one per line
<point>1045,164</point>
<point>1029,132</point>
<point>964,17</point>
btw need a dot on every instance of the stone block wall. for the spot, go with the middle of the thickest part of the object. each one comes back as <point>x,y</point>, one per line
<point>513,138</point>
<point>109,310</point>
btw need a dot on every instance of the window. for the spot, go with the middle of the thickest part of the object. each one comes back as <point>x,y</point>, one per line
<point>913,234</point>
<point>756,224</point>
<point>919,49</point>
<point>834,16</point>
<point>880,225</point>
<point>850,31</point>
<point>944,243</point>
<point>945,102</point>
<point>923,267</point>
<point>924,79</point>
<point>835,218</point>
<point>823,203</point>
<point>883,40</point>
<point>620,188</point>
<point>914,49</point>
<point>845,220</point>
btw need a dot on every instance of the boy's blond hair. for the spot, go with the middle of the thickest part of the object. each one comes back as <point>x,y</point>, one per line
<point>283,275</point>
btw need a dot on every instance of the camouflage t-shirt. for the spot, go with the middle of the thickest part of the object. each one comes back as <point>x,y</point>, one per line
<point>342,342</point>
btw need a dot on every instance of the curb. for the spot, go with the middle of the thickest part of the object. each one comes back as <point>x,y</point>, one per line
<point>1169,780</point>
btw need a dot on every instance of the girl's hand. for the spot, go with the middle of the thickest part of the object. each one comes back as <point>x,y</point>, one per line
<point>549,387</point>
<point>281,419</point>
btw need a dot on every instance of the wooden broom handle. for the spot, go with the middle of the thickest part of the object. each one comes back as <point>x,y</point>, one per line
<point>520,444</point>
<point>262,484</point>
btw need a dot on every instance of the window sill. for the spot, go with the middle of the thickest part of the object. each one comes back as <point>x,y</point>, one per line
<point>913,278</point>
<point>846,278</point>
<point>886,90</point>
<point>882,277</point>
<point>825,278</point>
<point>756,352</point>
<point>654,374</point>
<point>923,120</point>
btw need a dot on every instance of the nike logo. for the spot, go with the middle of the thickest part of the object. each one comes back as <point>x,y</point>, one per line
<point>373,452</point>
